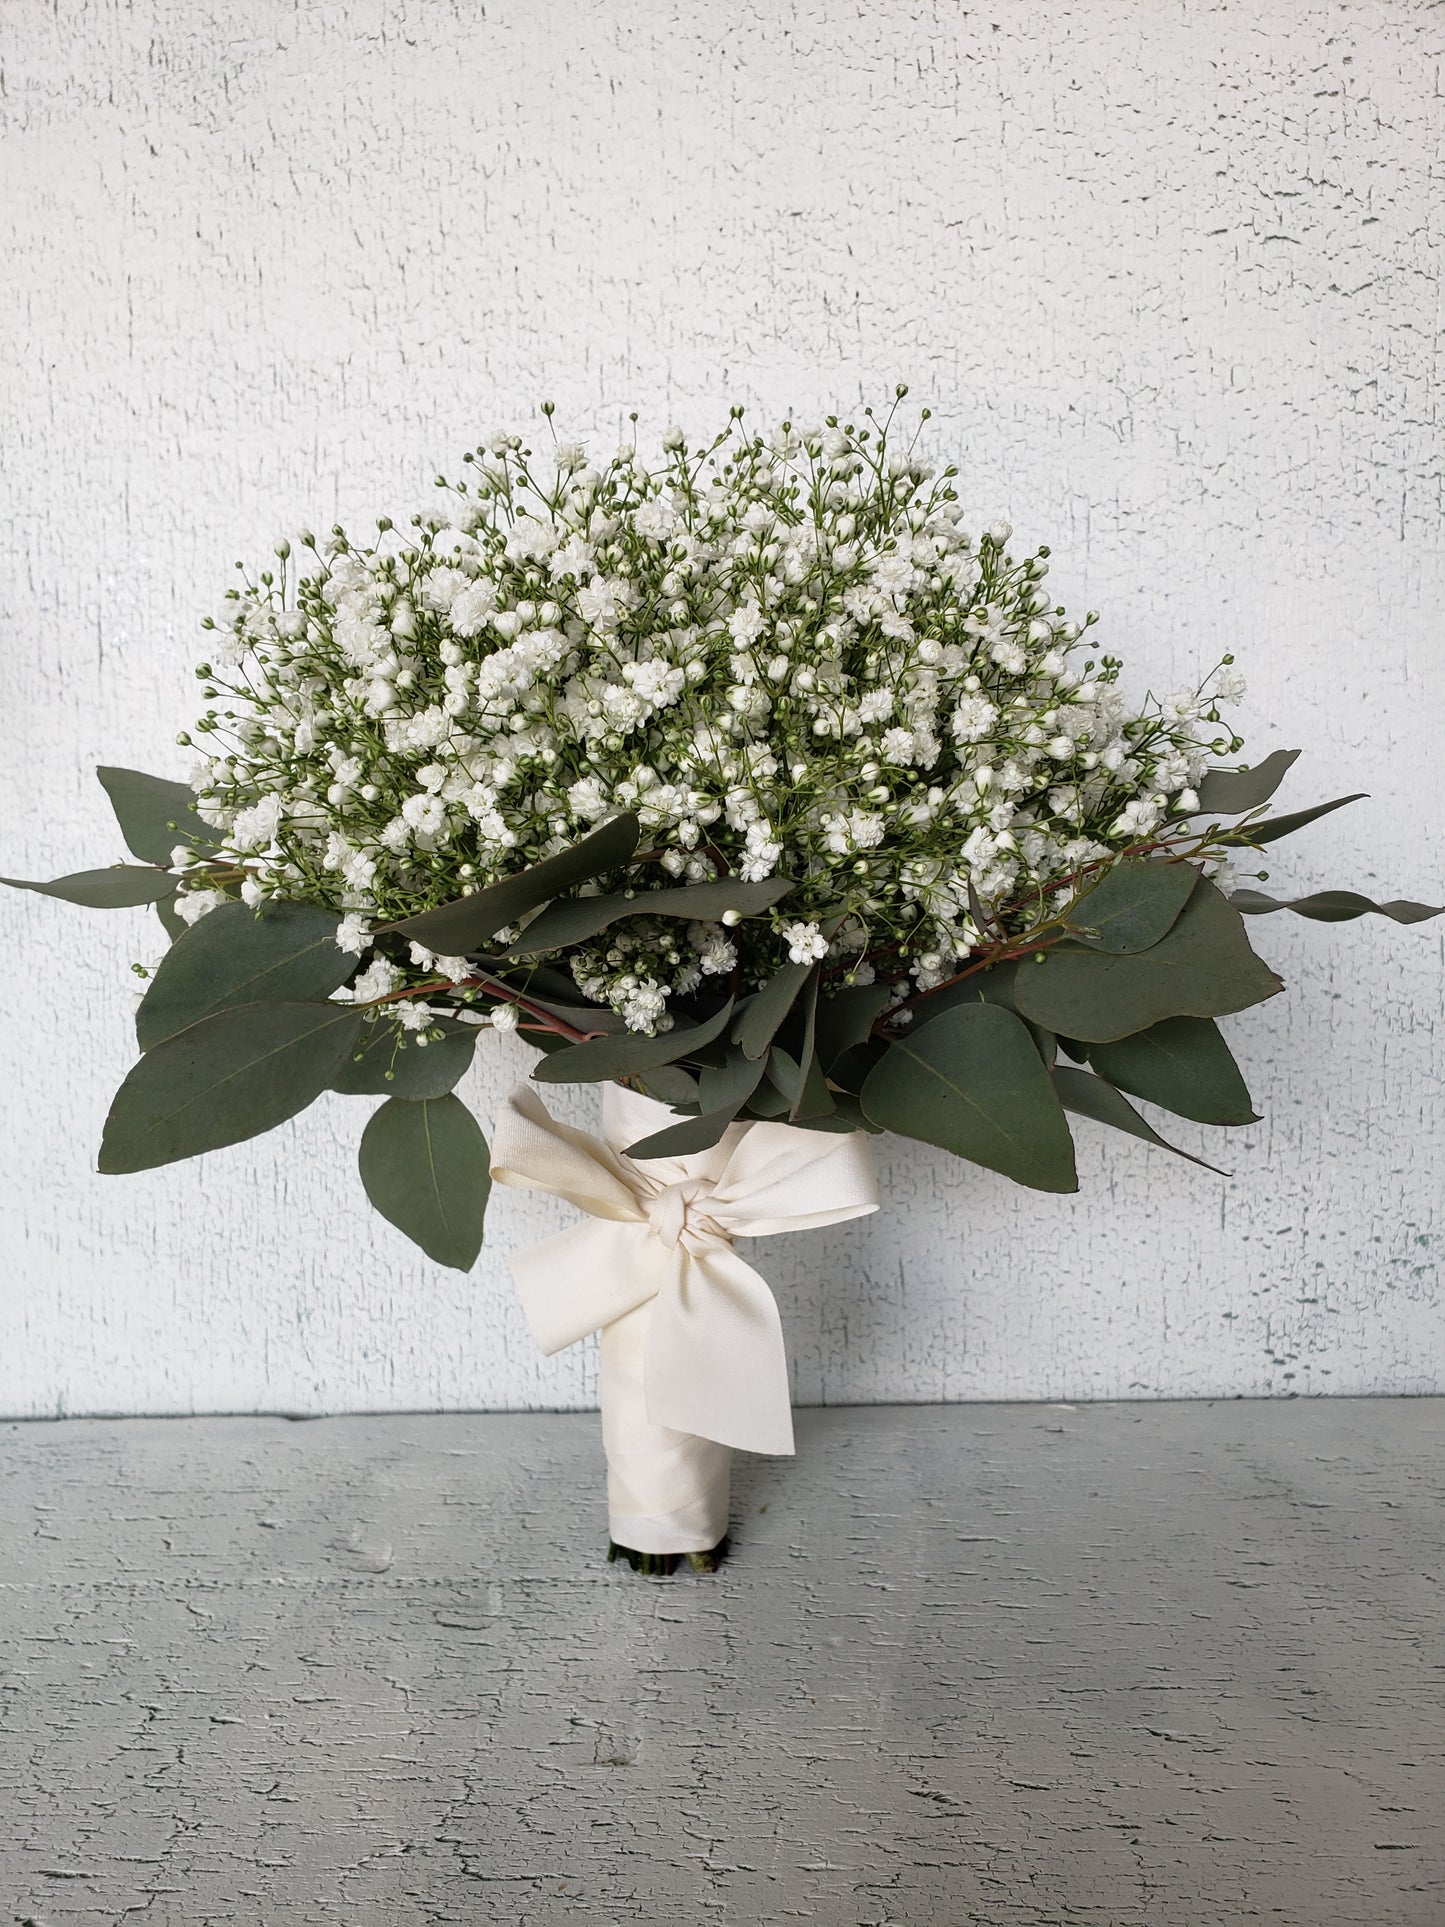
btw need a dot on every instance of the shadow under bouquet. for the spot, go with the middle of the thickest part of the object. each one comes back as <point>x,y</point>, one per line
<point>755,784</point>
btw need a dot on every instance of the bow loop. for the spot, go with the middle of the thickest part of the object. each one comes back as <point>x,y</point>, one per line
<point>662,1229</point>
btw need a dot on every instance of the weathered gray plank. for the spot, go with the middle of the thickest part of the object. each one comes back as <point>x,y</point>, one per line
<point>1127,1666</point>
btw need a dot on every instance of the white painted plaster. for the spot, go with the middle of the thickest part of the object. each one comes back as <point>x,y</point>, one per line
<point>1167,274</point>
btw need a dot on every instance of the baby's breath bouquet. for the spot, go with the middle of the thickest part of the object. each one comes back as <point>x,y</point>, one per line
<point>758,780</point>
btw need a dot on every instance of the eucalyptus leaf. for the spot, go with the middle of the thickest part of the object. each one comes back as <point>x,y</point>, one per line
<point>593,1017</point>
<point>417,1070</point>
<point>155,815</point>
<point>846,1017</point>
<point>606,1057</point>
<point>546,1041</point>
<point>1132,906</point>
<point>671,1085</point>
<point>682,1140</point>
<point>425,1167</point>
<point>1274,827</point>
<point>835,1122</point>
<point>847,1114</point>
<point>972,1082</point>
<point>850,1071</point>
<point>785,1073</point>
<point>1182,1064</point>
<point>172,922</point>
<point>1203,968</point>
<point>279,952</point>
<point>121,887</point>
<point>227,1078</point>
<point>1335,906</point>
<point>541,982</point>
<point>1227,791</point>
<point>992,986</point>
<point>1045,1043</point>
<point>813,1098</point>
<point>728,1086</point>
<point>562,924</point>
<point>455,929</point>
<point>1094,1097</point>
<point>770,1099</point>
<point>760,1017</point>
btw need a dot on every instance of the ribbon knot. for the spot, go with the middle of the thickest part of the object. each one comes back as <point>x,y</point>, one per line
<point>662,1229</point>
<point>670,1215</point>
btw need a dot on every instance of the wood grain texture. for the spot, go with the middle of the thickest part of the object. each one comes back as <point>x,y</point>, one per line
<point>1122,1666</point>
<point>1167,274</point>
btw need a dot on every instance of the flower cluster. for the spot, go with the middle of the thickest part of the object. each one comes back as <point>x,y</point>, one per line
<point>788,654</point>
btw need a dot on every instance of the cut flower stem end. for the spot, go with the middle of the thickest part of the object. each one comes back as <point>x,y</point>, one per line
<point>662,1565</point>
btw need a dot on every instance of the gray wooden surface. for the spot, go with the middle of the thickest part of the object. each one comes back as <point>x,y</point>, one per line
<point>1130,1666</point>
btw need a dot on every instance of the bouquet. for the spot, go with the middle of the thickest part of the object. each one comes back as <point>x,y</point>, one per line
<point>756,783</point>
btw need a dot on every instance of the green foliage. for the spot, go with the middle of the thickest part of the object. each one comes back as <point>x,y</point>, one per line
<point>785,1074</point>
<point>281,952</point>
<point>682,1140</point>
<point>425,1166</point>
<point>121,887</point>
<point>172,922</point>
<point>583,1017</point>
<point>848,1115</point>
<point>761,1016</point>
<point>1132,906</point>
<point>606,1057</point>
<point>455,929</point>
<point>850,1071</point>
<point>774,1095</point>
<point>846,1017</point>
<point>226,1078</point>
<point>812,1098</point>
<point>1335,906</point>
<point>671,1085</point>
<point>416,1070</point>
<point>1094,1097</point>
<point>1225,792</point>
<point>972,1082</point>
<point>1274,827</point>
<point>1204,967</point>
<point>725,1088</point>
<point>573,921</point>
<point>155,815</point>
<point>1182,1064</point>
<point>995,985</point>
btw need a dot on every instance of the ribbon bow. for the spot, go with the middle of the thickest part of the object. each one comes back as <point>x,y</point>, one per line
<point>663,1229</point>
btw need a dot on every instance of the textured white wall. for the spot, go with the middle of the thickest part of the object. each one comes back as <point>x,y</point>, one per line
<point>1166,272</point>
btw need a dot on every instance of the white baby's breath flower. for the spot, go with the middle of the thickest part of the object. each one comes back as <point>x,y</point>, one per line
<point>379,979</point>
<point>790,658</point>
<point>192,905</point>
<point>353,934</point>
<point>806,942</point>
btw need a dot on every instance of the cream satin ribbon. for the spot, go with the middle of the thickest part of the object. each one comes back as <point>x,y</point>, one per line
<point>662,1229</point>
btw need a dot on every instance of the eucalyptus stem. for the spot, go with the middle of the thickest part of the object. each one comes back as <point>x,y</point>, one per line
<point>662,1565</point>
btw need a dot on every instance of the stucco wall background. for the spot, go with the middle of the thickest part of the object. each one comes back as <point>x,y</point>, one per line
<point>1168,276</point>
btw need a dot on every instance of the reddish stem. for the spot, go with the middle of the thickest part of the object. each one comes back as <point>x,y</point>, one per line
<point>546,1019</point>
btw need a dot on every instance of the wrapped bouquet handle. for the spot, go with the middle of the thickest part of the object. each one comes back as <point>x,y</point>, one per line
<point>693,1362</point>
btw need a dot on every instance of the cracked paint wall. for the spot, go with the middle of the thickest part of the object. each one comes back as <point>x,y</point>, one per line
<point>1167,275</point>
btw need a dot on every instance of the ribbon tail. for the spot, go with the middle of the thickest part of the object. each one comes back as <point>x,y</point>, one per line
<point>716,1364</point>
<point>586,1277</point>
